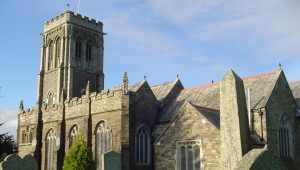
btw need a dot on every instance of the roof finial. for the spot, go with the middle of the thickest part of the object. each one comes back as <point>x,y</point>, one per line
<point>279,66</point>
<point>145,78</point>
<point>212,81</point>
<point>125,83</point>
<point>177,76</point>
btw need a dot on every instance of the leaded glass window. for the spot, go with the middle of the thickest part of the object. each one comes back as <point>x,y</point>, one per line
<point>73,135</point>
<point>284,137</point>
<point>103,142</point>
<point>188,155</point>
<point>142,143</point>
<point>49,149</point>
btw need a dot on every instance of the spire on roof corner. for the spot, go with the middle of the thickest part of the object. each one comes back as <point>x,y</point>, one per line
<point>212,81</point>
<point>125,83</point>
<point>145,78</point>
<point>21,106</point>
<point>177,77</point>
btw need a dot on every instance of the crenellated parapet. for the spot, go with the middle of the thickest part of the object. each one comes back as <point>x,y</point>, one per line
<point>28,116</point>
<point>71,17</point>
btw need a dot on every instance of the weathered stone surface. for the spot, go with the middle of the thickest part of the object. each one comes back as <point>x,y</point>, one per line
<point>234,127</point>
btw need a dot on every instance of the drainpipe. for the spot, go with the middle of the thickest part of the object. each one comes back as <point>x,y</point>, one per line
<point>249,110</point>
<point>261,125</point>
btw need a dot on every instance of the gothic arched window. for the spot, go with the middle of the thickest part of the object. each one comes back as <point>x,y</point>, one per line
<point>50,98</point>
<point>49,149</point>
<point>188,155</point>
<point>50,58</point>
<point>78,49</point>
<point>284,137</point>
<point>103,142</point>
<point>142,145</point>
<point>58,52</point>
<point>88,51</point>
<point>73,135</point>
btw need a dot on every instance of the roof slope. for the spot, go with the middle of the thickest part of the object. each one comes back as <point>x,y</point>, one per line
<point>162,90</point>
<point>205,96</point>
<point>209,96</point>
<point>295,87</point>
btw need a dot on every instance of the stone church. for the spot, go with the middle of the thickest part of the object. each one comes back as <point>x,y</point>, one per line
<point>239,123</point>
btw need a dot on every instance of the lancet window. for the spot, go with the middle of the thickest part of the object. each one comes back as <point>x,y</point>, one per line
<point>103,142</point>
<point>78,49</point>
<point>49,149</point>
<point>88,51</point>
<point>73,135</point>
<point>142,143</point>
<point>58,52</point>
<point>50,59</point>
<point>284,137</point>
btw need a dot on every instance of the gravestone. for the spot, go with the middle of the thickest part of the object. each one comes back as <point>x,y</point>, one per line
<point>112,161</point>
<point>15,162</point>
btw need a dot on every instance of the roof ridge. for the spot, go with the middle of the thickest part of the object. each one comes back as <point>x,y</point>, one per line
<point>200,87</point>
<point>294,82</point>
<point>206,108</point>
<point>259,75</point>
<point>161,84</point>
<point>245,78</point>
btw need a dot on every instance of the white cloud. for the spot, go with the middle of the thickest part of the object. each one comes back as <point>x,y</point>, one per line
<point>10,119</point>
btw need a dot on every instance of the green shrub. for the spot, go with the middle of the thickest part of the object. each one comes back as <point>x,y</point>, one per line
<point>79,157</point>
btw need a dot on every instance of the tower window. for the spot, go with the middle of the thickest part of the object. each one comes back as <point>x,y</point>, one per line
<point>50,62</point>
<point>50,98</point>
<point>78,49</point>
<point>58,52</point>
<point>88,52</point>
<point>103,142</point>
<point>142,143</point>
<point>188,155</point>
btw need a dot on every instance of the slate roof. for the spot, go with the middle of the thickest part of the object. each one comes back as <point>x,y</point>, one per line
<point>162,90</point>
<point>295,87</point>
<point>209,96</point>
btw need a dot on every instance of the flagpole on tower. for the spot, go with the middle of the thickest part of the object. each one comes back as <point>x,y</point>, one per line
<point>78,6</point>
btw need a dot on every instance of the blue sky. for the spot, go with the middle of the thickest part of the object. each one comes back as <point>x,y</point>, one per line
<point>197,39</point>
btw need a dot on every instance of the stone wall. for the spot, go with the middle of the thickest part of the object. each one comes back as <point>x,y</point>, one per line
<point>188,124</point>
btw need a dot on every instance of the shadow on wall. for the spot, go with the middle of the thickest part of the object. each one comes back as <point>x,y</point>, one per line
<point>15,162</point>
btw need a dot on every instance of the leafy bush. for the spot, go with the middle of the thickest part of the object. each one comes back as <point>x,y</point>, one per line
<point>79,157</point>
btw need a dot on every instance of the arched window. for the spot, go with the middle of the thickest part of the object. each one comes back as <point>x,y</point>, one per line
<point>58,52</point>
<point>188,155</point>
<point>31,135</point>
<point>50,98</point>
<point>88,51</point>
<point>103,142</point>
<point>142,146</point>
<point>50,60</point>
<point>49,149</point>
<point>284,136</point>
<point>73,135</point>
<point>78,49</point>
<point>23,136</point>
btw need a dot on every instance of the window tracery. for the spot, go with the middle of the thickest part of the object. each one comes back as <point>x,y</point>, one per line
<point>103,142</point>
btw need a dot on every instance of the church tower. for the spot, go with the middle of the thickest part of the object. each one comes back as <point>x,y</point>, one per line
<point>71,55</point>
